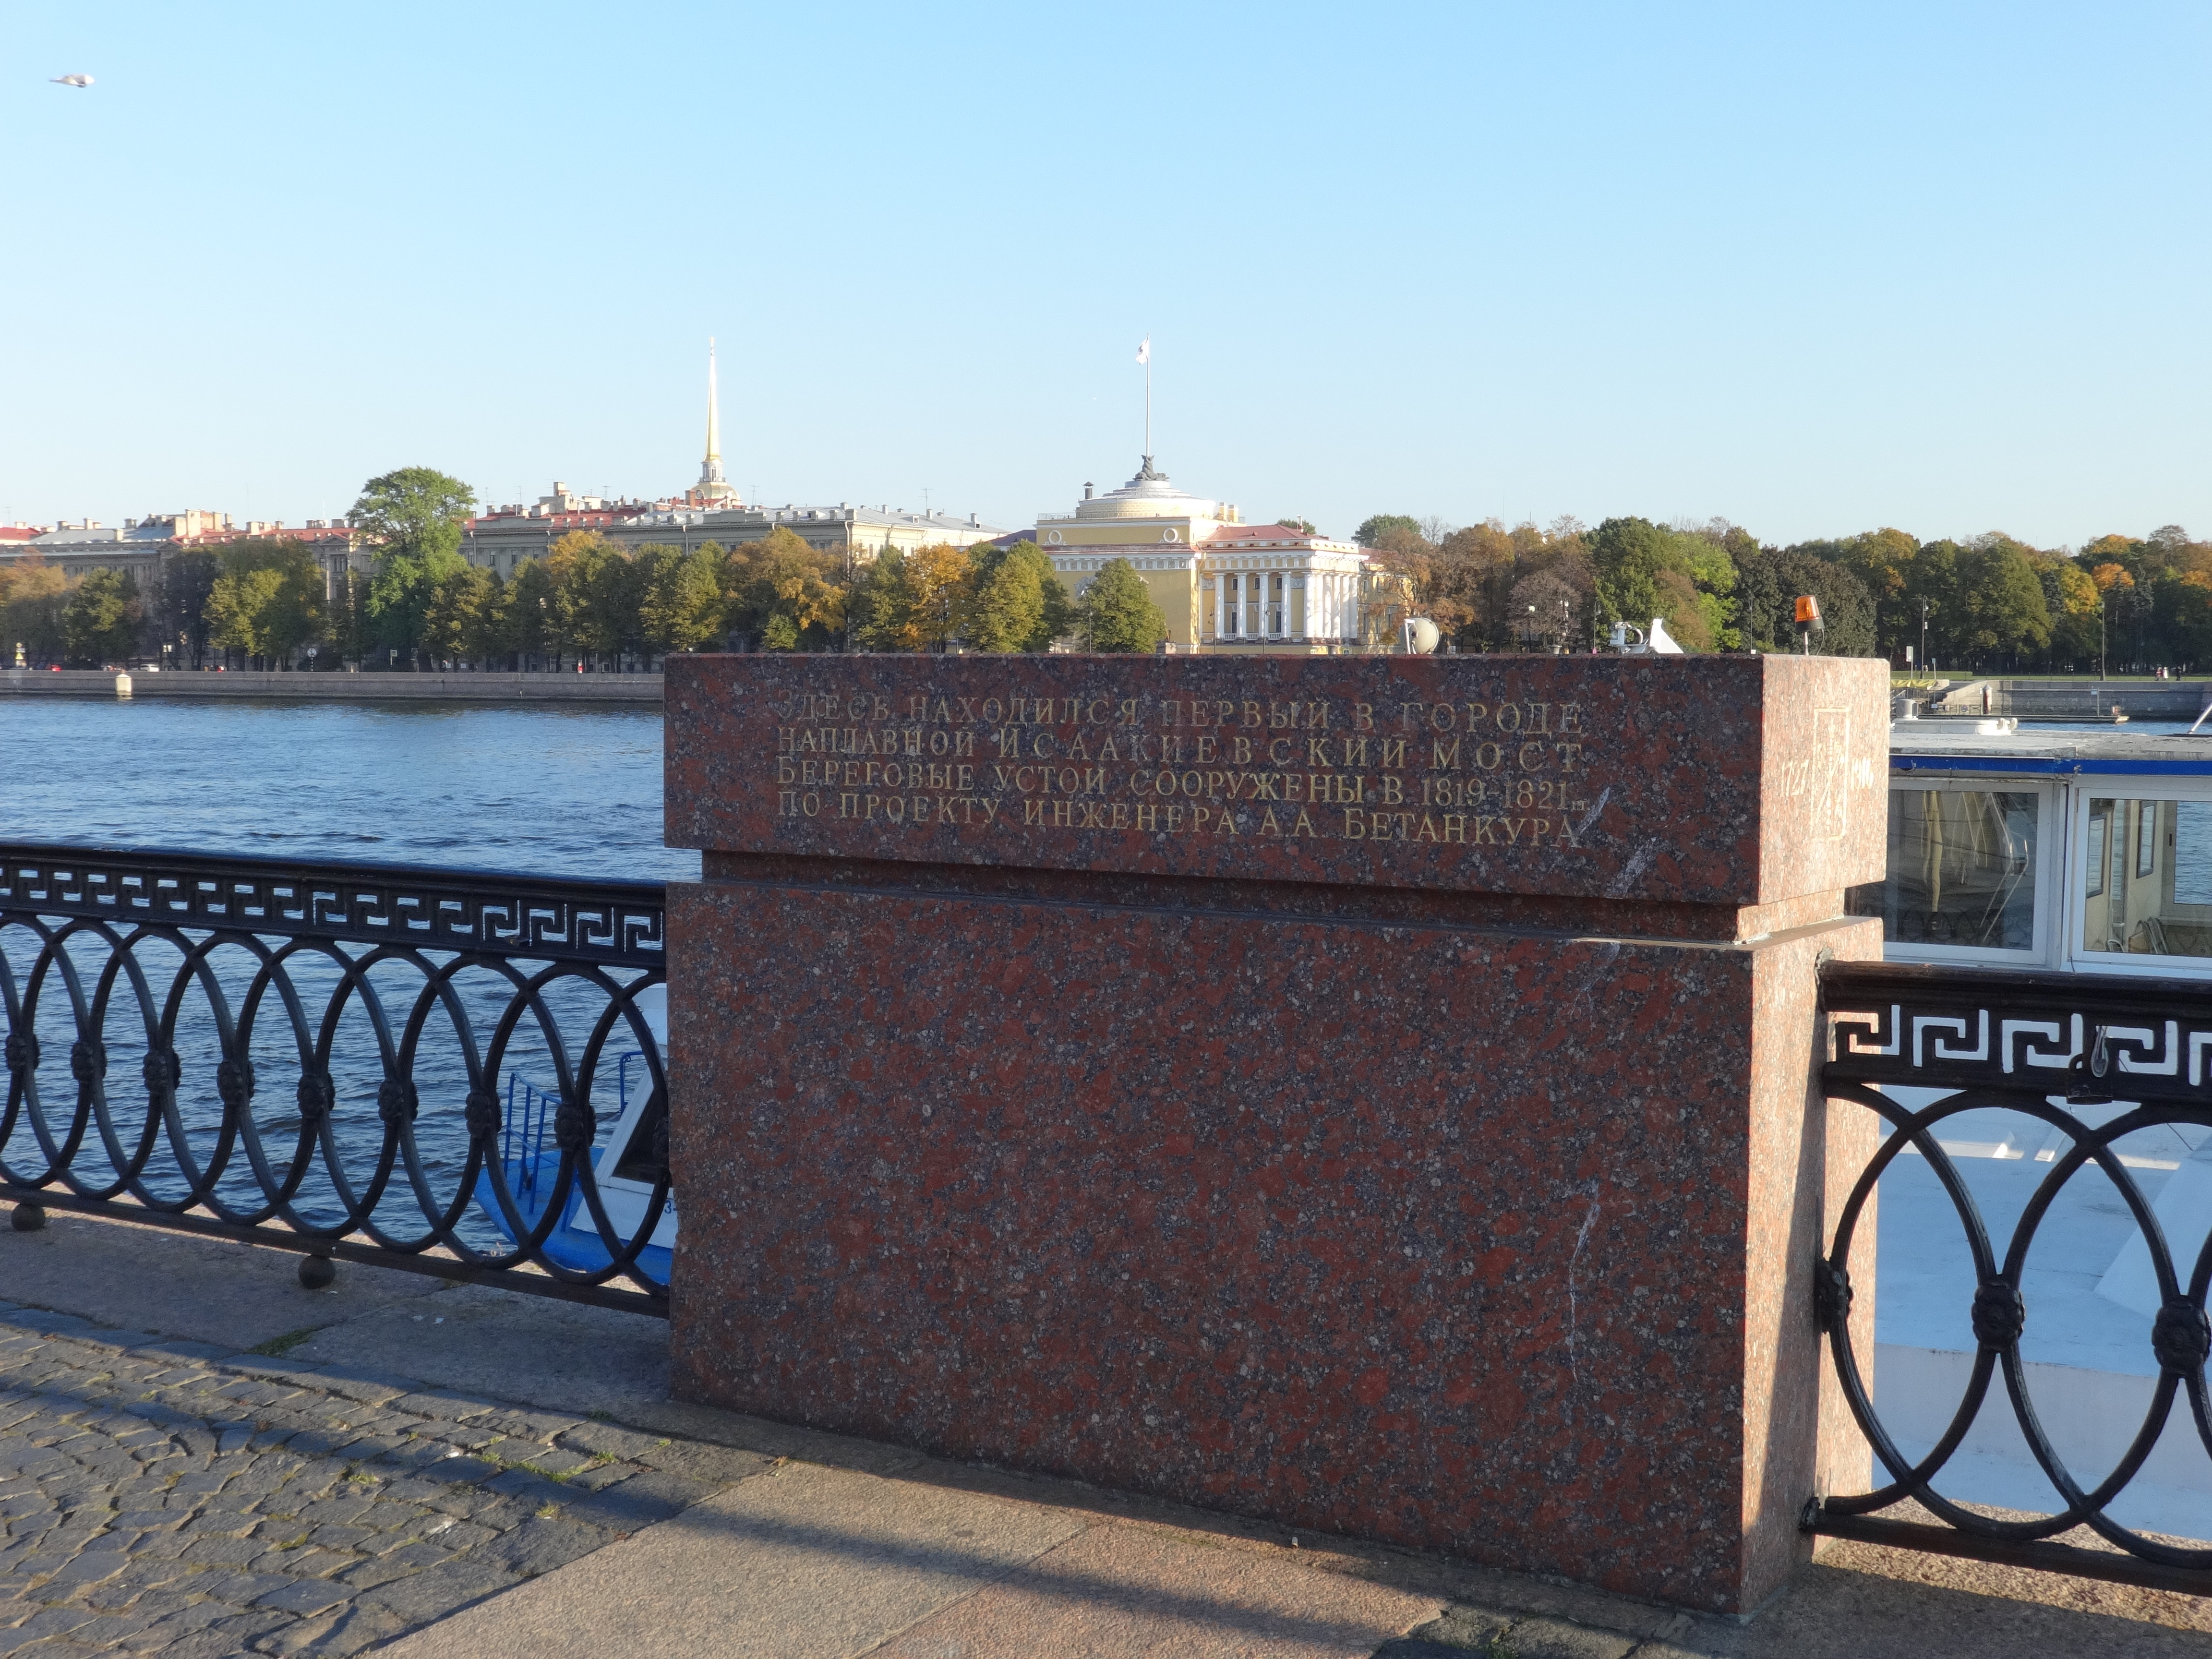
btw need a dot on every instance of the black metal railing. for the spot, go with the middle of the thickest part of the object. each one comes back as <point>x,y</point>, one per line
<point>2136,1050</point>
<point>361,1062</point>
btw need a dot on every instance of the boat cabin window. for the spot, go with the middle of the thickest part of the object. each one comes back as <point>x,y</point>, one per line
<point>1963,871</point>
<point>2147,887</point>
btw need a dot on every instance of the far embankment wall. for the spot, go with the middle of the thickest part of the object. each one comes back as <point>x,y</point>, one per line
<point>346,688</point>
<point>2075,700</point>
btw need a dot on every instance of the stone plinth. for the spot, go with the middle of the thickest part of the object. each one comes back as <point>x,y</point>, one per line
<point>1370,1093</point>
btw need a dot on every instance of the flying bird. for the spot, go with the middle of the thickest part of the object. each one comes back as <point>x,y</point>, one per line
<point>72,80</point>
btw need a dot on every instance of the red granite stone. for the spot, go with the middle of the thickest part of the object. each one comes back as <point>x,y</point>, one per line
<point>1325,1179</point>
<point>1739,781</point>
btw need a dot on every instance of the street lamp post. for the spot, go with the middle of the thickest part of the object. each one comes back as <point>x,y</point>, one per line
<point>1924,666</point>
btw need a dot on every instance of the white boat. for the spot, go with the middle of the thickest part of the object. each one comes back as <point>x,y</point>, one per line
<point>2051,850</point>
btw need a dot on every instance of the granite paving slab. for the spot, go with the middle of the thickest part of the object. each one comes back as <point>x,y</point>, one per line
<point>150,1507</point>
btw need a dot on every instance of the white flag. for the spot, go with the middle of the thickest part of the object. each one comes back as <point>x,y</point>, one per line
<point>1144,351</point>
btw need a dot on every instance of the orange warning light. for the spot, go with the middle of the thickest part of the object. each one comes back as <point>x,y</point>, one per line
<point>1808,608</point>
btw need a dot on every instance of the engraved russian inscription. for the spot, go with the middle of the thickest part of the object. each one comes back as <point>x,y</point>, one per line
<point>1506,777</point>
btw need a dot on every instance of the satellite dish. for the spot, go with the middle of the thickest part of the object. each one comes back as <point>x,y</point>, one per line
<point>1421,635</point>
<point>78,81</point>
<point>1663,643</point>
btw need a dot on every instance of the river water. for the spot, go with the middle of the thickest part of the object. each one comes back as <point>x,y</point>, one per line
<point>541,790</point>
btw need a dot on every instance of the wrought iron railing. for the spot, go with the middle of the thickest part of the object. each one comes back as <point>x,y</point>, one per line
<point>318,1058</point>
<point>2135,1050</point>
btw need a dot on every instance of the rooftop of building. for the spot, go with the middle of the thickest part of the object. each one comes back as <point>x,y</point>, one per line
<point>1149,495</point>
<point>1272,535</point>
<point>797,516</point>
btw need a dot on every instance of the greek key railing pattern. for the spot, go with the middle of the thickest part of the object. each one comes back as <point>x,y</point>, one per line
<point>2015,1040</point>
<point>317,1056</point>
<point>618,923</point>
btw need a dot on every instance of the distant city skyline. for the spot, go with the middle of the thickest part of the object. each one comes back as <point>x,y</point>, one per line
<point>1933,267</point>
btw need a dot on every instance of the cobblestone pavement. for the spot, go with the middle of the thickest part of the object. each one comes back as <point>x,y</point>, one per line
<point>164,1498</point>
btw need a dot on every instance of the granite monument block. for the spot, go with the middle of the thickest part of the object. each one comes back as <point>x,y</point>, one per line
<point>1374,1093</point>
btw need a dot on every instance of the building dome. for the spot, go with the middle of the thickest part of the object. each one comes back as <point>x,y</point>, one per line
<point>1147,496</point>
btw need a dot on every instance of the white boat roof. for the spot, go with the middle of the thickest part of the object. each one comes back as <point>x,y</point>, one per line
<point>1927,746</point>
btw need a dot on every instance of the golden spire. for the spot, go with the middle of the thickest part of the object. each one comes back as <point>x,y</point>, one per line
<point>714,410</point>
<point>713,486</point>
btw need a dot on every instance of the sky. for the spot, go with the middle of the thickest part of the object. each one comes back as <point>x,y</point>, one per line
<point>1815,269</point>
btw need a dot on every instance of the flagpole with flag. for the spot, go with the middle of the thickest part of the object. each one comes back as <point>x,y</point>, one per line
<point>1145,356</point>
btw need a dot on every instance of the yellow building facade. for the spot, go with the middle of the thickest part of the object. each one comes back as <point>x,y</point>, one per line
<point>1224,586</point>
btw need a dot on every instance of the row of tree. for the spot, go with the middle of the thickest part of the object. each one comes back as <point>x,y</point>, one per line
<point>267,601</point>
<point>1991,603</point>
<point>1988,603</point>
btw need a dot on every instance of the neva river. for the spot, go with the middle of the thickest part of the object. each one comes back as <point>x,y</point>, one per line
<point>539,791</point>
<point>556,791</point>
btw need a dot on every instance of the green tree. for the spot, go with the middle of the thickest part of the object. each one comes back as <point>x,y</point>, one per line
<point>294,614</point>
<point>455,619</point>
<point>101,621</point>
<point>1007,609</point>
<point>413,518</point>
<point>489,642</point>
<point>1998,611</point>
<point>1642,571</point>
<point>346,620</point>
<point>1887,561</point>
<point>879,607</point>
<point>267,600</point>
<point>235,607</point>
<point>180,599</point>
<point>681,607</point>
<point>1375,528</point>
<point>1058,618</point>
<point>1768,584</point>
<point>598,589</point>
<point>534,623</point>
<point>1116,612</point>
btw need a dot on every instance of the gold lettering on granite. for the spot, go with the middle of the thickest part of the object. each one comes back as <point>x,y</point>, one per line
<point>1509,773</point>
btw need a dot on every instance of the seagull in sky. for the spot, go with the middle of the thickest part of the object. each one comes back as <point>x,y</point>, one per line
<point>78,80</point>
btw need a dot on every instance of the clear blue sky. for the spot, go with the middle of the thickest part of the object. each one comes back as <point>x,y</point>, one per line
<point>1812,269</point>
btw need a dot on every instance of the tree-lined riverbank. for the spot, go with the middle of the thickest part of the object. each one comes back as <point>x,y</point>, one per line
<point>338,687</point>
